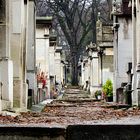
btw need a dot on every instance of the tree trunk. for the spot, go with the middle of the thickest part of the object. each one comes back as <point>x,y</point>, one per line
<point>74,64</point>
<point>94,19</point>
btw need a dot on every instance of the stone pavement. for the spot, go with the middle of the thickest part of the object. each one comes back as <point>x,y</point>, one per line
<point>76,94</point>
<point>71,95</point>
<point>76,107</point>
<point>38,107</point>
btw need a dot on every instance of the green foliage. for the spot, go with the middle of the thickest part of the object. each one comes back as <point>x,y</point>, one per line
<point>98,93</point>
<point>108,88</point>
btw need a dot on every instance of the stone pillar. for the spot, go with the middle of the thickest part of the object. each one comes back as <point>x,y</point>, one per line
<point>58,65</point>
<point>82,73</point>
<point>134,55</point>
<point>115,65</point>
<point>62,77</point>
<point>6,72</point>
<point>95,73</point>
<point>52,69</point>
<point>136,93</point>
<point>47,63</point>
<point>86,70</point>
<point>115,49</point>
<point>18,51</point>
<point>42,47</point>
<point>95,70</point>
<point>89,73</point>
<point>86,73</point>
<point>6,65</point>
<point>58,69</point>
<point>52,60</point>
<point>31,49</point>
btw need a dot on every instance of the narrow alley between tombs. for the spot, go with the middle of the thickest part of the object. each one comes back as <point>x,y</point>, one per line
<point>74,107</point>
<point>69,69</point>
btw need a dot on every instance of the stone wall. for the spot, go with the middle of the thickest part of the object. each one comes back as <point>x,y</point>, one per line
<point>18,51</point>
<point>73,132</point>
<point>124,49</point>
<point>103,132</point>
<point>6,65</point>
<point>31,47</point>
<point>32,133</point>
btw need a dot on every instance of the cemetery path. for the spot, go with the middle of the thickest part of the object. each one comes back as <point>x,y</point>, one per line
<point>76,107</point>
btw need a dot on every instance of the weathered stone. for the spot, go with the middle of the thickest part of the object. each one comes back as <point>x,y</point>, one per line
<point>103,132</point>
<point>32,133</point>
<point>31,48</point>
<point>3,11</point>
<point>122,51</point>
<point>43,60</point>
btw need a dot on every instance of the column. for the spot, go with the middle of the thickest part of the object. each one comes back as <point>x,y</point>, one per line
<point>134,55</point>
<point>62,77</point>
<point>95,73</point>
<point>18,51</point>
<point>6,65</point>
<point>82,73</point>
<point>137,90</point>
<point>86,73</point>
<point>58,66</point>
<point>31,49</point>
<point>115,49</point>
<point>47,63</point>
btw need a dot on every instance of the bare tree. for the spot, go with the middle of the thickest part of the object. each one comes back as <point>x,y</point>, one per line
<point>77,19</point>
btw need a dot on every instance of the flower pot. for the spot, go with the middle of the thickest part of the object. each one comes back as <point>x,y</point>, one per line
<point>110,99</point>
<point>99,97</point>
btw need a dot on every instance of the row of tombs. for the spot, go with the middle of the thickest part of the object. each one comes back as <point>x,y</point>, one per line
<point>31,63</point>
<point>30,59</point>
<point>115,55</point>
